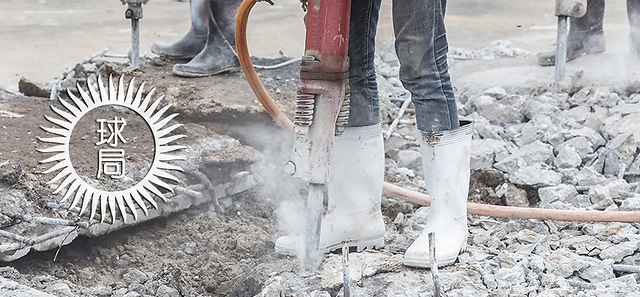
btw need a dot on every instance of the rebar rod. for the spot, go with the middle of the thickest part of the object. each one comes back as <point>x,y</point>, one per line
<point>45,220</point>
<point>346,277</point>
<point>393,125</point>
<point>434,266</point>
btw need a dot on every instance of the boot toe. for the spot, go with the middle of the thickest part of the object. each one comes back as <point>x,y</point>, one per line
<point>159,47</point>
<point>187,71</point>
<point>289,245</point>
<point>547,59</point>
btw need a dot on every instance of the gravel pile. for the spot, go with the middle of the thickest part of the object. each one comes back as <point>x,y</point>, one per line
<point>555,149</point>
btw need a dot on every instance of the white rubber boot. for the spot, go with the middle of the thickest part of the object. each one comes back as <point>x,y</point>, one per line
<point>353,212</point>
<point>445,160</point>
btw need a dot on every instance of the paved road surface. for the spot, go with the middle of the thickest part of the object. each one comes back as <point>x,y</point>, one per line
<point>40,38</point>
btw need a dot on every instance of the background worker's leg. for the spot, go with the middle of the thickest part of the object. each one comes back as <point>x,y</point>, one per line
<point>218,55</point>
<point>193,42</point>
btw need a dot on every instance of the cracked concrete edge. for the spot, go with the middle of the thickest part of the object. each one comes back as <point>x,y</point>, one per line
<point>244,182</point>
<point>9,288</point>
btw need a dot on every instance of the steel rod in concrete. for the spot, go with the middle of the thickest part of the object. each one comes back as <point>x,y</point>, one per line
<point>346,277</point>
<point>13,236</point>
<point>45,220</point>
<point>626,268</point>
<point>50,235</point>
<point>434,266</point>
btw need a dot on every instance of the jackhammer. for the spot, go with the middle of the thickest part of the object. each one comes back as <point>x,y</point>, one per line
<point>134,13</point>
<point>564,10</point>
<point>321,110</point>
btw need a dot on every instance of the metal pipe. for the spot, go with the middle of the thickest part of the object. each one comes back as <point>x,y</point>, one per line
<point>401,193</point>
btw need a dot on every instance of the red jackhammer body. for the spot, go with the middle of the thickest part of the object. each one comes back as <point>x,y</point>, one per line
<point>322,108</point>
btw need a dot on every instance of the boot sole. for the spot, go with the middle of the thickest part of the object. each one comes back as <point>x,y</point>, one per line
<point>191,74</point>
<point>172,56</point>
<point>176,56</point>
<point>425,263</point>
<point>371,244</point>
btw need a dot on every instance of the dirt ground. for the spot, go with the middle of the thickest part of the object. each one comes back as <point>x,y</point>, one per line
<point>208,251</point>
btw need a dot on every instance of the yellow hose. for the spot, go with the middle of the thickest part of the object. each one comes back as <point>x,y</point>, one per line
<point>398,192</point>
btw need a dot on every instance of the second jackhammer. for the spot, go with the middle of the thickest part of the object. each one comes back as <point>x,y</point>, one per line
<point>564,10</point>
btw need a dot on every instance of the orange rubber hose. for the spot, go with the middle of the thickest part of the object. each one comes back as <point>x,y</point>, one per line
<point>250,72</point>
<point>401,193</point>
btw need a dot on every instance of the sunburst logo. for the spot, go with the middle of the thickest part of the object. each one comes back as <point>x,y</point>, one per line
<point>111,161</point>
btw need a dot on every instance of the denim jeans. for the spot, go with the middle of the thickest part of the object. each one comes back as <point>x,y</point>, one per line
<point>421,45</point>
<point>365,104</point>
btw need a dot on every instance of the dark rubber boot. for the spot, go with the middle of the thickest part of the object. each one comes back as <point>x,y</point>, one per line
<point>585,35</point>
<point>633,10</point>
<point>218,55</point>
<point>194,41</point>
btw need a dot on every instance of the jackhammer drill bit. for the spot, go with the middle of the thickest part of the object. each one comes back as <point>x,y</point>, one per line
<point>321,109</point>
<point>564,10</point>
<point>134,12</point>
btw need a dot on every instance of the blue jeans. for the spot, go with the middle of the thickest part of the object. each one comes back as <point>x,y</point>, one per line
<point>421,45</point>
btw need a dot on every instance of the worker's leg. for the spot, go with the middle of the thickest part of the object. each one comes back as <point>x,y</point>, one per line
<point>585,35</point>
<point>421,45</point>
<point>365,104</point>
<point>218,55</point>
<point>193,42</point>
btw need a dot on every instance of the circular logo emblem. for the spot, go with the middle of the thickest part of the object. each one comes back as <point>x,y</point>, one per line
<point>111,161</point>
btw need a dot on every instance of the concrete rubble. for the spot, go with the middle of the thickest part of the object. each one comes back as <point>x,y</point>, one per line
<point>556,148</point>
